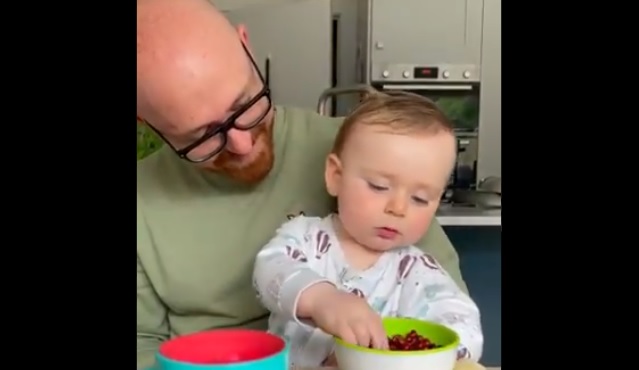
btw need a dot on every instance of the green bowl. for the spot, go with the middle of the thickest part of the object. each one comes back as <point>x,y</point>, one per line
<point>436,333</point>
<point>353,357</point>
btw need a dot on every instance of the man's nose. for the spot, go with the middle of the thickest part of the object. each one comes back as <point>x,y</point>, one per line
<point>396,205</point>
<point>239,142</point>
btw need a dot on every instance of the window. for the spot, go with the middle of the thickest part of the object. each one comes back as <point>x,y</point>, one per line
<point>148,142</point>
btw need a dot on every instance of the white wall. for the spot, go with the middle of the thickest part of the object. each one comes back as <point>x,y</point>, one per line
<point>228,5</point>
<point>296,35</point>
<point>347,73</point>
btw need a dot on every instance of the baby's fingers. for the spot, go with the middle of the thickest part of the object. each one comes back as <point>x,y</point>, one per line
<point>378,335</point>
<point>380,343</point>
<point>347,334</point>
<point>362,333</point>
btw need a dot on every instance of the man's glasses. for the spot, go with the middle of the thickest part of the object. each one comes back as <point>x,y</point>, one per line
<point>215,138</point>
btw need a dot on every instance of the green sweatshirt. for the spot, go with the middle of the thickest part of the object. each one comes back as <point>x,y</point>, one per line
<point>198,233</point>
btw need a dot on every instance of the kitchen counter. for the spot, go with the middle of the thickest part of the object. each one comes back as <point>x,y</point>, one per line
<point>448,215</point>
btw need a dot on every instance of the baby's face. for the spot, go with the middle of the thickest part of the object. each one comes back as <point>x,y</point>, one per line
<point>391,184</point>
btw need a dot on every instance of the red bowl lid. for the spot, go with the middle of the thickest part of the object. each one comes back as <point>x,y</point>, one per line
<point>222,346</point>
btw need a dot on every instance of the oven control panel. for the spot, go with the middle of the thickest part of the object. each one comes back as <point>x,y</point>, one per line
<point>468,73</point>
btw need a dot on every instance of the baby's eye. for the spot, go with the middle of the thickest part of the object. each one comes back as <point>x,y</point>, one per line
<point>420,200</point>
<point>376,187</point>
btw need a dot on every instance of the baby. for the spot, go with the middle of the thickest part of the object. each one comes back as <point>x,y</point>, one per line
<point>388,169</point>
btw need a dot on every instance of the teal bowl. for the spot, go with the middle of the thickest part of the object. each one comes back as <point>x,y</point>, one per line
<point>227,349</point>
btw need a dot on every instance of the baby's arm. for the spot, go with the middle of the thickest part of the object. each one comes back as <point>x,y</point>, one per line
<point>281,273</point>
<point>429,293</point>
<point>282,270</point>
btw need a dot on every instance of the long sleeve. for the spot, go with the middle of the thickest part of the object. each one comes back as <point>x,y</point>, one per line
<point>282,270</point>
<point>437,244</point>
<point>152,327</point>
<point>429,293</point>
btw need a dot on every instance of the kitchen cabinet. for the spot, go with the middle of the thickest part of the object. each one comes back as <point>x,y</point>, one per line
<point>296,37</point>
<point>429,32</point>
<point>489,163</point>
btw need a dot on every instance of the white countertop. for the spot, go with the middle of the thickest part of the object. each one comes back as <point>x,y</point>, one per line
<point>448,215</point>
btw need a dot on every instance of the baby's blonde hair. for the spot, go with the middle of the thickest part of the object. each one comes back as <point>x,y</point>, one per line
<point>401,112</point>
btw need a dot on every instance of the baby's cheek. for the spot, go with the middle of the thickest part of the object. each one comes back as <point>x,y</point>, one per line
<point>357,212</point>
<point>355,206</point>
<point>359,199</point>
<point>419,224</point>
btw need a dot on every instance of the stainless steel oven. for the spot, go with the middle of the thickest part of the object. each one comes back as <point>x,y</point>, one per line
<point>435,48</point>
<point>431,48</point>
<point>446,50</point>
<point>456,90</point>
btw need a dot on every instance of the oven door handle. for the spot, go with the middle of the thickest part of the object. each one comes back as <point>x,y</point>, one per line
<point>427,87</point>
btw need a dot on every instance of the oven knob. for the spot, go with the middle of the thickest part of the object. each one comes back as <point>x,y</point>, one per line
<point>385,74</point>
<point>445,74</point>
<point>466,74</point>
<point>406,74</point>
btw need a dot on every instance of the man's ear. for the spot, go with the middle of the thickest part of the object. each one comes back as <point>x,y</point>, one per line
<point>333,174</point>
<point>243,32</point>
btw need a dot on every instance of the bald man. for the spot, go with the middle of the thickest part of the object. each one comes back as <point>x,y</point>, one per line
<point>235,166</point>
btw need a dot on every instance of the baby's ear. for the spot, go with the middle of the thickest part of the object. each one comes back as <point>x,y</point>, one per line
<point>333,174</point>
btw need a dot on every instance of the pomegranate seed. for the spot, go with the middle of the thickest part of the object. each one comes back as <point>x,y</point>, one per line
<point>412,341</point>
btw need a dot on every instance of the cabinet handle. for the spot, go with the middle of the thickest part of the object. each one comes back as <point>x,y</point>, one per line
<point>267,72</point>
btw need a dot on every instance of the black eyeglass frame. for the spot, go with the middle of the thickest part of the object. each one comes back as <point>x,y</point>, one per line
<point>228,124</point>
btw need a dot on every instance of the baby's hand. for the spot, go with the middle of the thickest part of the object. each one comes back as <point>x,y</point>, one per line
<point>348,317</point>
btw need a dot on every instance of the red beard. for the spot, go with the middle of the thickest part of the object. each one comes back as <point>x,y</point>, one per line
<point>257,169</point>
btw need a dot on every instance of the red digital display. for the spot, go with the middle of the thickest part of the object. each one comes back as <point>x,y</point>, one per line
<point>426,72</point>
